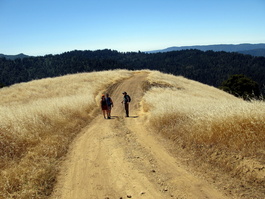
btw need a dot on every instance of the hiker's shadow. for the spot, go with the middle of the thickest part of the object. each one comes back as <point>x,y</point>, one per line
<point>133,116</point>
<point>116,117</point>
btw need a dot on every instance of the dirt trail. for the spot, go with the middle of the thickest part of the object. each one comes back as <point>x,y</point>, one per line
<point>120,158</point>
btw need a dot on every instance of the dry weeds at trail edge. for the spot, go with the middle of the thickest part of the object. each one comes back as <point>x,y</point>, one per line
<point>212,129</point>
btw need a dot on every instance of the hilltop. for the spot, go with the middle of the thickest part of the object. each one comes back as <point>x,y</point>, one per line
<point>13,57</point>
<point>183,139</point>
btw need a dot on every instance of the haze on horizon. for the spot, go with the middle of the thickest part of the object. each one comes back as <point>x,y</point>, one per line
<point>52,27</point>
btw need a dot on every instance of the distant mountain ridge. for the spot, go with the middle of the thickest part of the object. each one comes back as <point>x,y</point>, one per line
<point>251,49</point>
<point>255,52</point>
<point>247,49</point>
<point>13,57</point>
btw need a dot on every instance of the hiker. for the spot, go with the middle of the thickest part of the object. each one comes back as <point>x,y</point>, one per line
<point>109,104</point>
<point>104,105</point>
<point>126,100</point>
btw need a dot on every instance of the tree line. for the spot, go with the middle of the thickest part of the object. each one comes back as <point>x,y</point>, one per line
<point>208,67</point>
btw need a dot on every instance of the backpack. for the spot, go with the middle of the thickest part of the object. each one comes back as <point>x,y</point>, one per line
<point>108,99</point>
<point>128,98</point>
<point>103,102</point>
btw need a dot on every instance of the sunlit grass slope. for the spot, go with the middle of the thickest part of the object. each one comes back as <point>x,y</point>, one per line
<point>217,129</point>
<point>38,120</point>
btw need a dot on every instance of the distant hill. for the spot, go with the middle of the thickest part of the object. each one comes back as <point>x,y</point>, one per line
<point>251,49</point>
<point>13,57</point>
<point>255,52</point>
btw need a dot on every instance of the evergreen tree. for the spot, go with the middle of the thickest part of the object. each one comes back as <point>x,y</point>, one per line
<point>241,86</point>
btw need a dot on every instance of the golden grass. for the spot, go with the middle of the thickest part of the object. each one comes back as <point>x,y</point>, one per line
<point>38,120</point>
<point>216,128</point>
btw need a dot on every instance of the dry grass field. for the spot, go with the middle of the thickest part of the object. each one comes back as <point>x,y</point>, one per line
<point>223,135</point>
<point>38,120</point>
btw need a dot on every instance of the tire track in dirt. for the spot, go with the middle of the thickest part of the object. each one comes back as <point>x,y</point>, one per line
<point>120,158</point>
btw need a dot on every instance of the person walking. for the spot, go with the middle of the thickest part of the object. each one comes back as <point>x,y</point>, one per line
<point>104,105</point>
<point>126,100</point>
<point>109,104</point>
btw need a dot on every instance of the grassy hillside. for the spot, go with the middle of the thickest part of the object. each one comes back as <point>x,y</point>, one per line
<point>38,120</point>
<point>210,128</point>
<point>221,135</point>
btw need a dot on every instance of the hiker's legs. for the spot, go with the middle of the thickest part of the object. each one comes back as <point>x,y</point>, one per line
<point>104,114</point>
<point>109,112</point>
<point>127,109</point>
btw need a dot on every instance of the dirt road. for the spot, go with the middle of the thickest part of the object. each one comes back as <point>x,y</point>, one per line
<point>120,158</point>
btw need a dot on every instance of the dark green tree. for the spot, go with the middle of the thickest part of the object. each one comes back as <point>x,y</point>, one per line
<point>241,86</point>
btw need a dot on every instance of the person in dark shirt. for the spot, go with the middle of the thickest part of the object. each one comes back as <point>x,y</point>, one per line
<point>126,100</point>
<point>104,105</point>
<point>110,105</point>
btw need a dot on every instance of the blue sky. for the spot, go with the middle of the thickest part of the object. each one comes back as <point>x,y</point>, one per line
<point>40,27</point>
